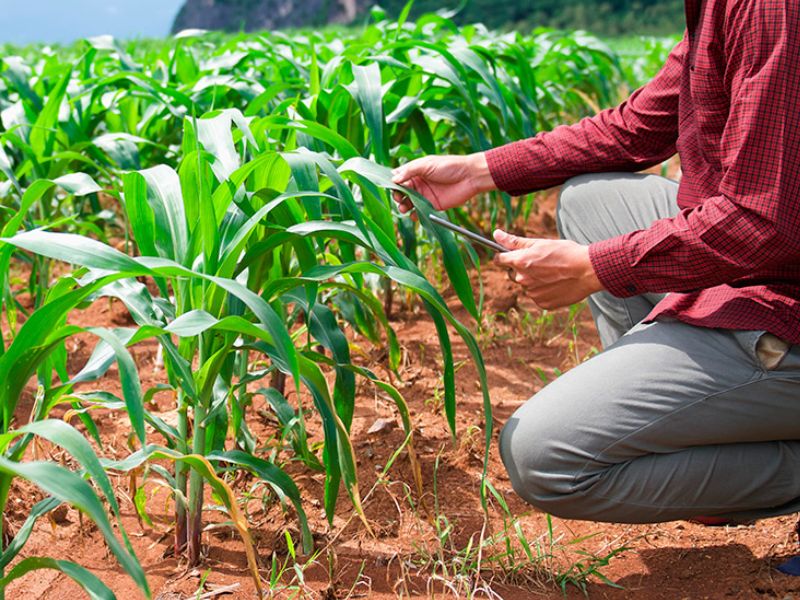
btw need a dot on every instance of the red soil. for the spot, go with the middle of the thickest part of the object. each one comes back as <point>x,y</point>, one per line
<point>674,560</point>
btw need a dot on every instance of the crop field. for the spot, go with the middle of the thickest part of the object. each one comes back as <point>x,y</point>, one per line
<point>229,367</point>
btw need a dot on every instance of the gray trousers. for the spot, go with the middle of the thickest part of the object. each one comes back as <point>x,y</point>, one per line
<point>670,421</point>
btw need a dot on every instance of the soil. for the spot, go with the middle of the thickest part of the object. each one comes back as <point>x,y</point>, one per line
<point>522,349</point>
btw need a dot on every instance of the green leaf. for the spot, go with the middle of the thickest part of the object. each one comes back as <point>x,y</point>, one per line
<point>24,532</point>
<point>325,329</point>
<point>43,131</point>
<point>367,91</point>
<point>157,212</point>
<point>66,436</point>
<point>94,588</point>
<point>76,250</point>
<point>140,214</point>
<point>277,478</point>
<point>452,258</point>
<point>69,487</point>
<point>129,380</point>
<point>214,133</point>
<point>90,253</point>
<point>77,184</point>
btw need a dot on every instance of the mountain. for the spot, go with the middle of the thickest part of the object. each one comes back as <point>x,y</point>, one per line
<point>609,17</point>
<point>254,15</point>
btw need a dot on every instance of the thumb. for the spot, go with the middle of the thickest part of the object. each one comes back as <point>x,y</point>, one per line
<point>405,172</point>
<point>512,242</point>
<point>419,167</point>
<point>399,175</point>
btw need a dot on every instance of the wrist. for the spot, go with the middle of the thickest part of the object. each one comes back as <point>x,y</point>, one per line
<point>589,275</point>
<point>479,173</point>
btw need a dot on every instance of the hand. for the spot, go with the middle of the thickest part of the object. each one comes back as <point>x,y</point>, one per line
<point>554,273</point>
<point>447,181</point>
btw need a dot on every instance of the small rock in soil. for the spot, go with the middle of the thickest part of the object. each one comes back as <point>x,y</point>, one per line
<point>382,426</point>
<point>381,561</point>
<point>60,514</point>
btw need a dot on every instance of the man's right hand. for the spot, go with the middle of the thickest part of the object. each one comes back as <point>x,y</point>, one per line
<point>447,181</point>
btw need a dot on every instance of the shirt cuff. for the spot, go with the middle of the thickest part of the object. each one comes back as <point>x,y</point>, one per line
<point>507,170</point>
<point>610,263</point>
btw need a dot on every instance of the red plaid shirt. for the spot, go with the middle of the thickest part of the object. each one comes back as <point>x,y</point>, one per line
<point>728,101</point>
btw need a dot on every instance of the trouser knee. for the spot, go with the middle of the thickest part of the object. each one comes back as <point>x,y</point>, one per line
<point>540,474</point>
<point>573,201</point>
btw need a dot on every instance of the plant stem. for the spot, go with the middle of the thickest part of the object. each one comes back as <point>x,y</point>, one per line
<point>388,298</point>
<point>180,479</point>
<point>278,381</point>
<point>5,486</point>
<point>196,487</point>
<point>2,548</point>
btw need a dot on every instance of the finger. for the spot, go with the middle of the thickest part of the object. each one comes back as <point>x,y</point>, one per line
<point>422,187</point>
<point>405,206</point>
<point>411,183</point>
<point>512,259</point>
<point>501,260</point>
<point>512,242</point>
<point>400,198</point>
<point>402,174</point>
<point>519,278</point>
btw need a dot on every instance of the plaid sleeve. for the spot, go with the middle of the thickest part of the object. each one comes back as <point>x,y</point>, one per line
<point>606,258</point>
<point>753,223</point>
<point>637,134</point>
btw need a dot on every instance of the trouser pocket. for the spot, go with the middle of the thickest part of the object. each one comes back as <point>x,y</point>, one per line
<point>766,350</point>
<point>771,351</point>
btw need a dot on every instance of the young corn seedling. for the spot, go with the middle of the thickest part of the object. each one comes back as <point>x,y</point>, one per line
<point>224,291</point>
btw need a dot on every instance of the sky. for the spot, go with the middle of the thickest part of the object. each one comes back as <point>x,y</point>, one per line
<point>51,21</point>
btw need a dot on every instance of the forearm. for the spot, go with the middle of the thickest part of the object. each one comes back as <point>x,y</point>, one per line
<point>596,145</point>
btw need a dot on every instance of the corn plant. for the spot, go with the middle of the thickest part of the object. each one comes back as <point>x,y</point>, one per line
<point>234,258</point>
<point>60,484</point>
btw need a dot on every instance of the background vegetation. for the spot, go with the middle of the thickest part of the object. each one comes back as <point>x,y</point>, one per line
<point>605,17</point>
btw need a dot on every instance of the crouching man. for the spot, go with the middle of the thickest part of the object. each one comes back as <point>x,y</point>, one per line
<point>693,407</point>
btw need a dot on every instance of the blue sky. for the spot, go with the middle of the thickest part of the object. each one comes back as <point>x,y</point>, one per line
<point>25,21</point>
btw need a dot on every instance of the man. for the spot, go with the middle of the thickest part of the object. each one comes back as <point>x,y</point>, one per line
<point>693,408</point>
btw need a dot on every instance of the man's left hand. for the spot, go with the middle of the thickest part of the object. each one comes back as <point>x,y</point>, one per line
<point>554,273</point>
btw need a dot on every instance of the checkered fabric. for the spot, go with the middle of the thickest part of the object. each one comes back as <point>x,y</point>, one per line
<point>728,102</point>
